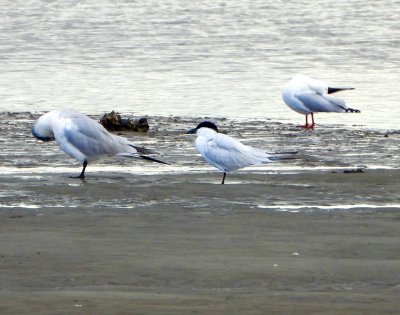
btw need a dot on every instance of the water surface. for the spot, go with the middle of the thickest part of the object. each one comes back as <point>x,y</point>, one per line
<point>204,58</point>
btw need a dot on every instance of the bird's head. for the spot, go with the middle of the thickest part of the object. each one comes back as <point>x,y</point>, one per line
<point>204,124</point>
<point>42,130</point>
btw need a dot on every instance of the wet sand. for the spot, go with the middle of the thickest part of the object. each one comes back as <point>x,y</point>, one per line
<point>136,238</point>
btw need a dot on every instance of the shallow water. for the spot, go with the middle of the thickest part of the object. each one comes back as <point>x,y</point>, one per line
<point>34,174</point>
<point>217,59</point>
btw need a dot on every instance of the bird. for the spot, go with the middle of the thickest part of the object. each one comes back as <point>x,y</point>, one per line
<point>228,154</point>
<point>308,96</point>
<point>85,139</point>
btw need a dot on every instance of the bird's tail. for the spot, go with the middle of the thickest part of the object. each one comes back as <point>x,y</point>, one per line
<point>144,150</point>
<point>352,110</point>
<point>282,155</point>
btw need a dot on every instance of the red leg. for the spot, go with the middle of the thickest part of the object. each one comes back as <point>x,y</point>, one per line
<point>313,123</point>
<point>306,125</point>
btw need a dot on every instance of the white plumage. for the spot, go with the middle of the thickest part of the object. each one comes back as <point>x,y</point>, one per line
<point>226,153</point>
<point>83,138</point>
<point>308,96</point>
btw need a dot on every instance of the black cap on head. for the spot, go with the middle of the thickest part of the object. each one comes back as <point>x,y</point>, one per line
<point>204,124</point>
<point>207,124</point>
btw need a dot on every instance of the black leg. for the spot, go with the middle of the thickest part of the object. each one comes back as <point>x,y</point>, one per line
<point>82,175</point>
<point>223,179</point>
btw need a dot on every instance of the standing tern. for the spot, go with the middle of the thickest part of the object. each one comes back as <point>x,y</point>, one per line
<point>228,154</point>
<point>308,96</point>
<point>84,139</point>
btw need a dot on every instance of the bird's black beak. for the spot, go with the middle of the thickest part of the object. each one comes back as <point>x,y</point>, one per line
<point>44,139</point>
<point>191,131</point>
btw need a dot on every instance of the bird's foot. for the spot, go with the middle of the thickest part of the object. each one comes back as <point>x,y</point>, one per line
<point>80,177</point>
<point>307,126</point>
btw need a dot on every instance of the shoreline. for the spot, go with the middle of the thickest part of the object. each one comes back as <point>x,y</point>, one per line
<point>137,238</point>
<point>253,120</point>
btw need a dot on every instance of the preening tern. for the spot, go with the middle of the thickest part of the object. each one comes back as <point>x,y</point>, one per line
<point>84,139</point>
<point>308,96</point>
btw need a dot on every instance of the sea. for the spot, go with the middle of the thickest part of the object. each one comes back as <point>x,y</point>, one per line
<point>200,59</point>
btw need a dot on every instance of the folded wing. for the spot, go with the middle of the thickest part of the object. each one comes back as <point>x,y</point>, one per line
<point>227,154</point>
<point>322,103</point>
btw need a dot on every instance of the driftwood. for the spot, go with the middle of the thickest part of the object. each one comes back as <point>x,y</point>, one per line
<point>113,122</point>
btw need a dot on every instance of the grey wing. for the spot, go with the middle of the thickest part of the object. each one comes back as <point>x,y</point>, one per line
<point>87,137</point>
<point>222,159</point>
<point>227,154</point>
<point>322,103</point>
<point>123,141</point>
<point>106,143</point>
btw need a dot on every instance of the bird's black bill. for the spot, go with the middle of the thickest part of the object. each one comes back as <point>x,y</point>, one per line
<point>332,90</point>
<point>194,130</point>
<point>39,137</point>
<point>46,139</point>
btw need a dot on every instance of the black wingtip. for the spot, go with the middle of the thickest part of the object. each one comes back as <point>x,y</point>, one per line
<point>143,150</point>
<point>352,110</point>
<point>153,159</point>
<point>332,90</point>
<point>286,152</point>
<point>284,157</point>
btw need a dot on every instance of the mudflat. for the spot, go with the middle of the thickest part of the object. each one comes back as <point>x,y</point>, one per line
<point>302,237</point>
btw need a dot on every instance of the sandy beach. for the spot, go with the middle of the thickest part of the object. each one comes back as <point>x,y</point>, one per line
<point>299,237</point>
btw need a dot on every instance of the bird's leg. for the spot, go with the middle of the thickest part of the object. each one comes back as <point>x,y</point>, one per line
<point>82,174</point>
<point>306,125</point>
<point>313,123</point>
<point>223,179</point>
